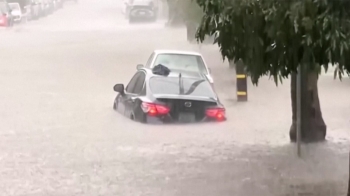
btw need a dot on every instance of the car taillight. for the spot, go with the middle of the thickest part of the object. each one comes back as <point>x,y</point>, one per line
<point>3,20</point>
<point>217,113</point>
<point>153,109</point>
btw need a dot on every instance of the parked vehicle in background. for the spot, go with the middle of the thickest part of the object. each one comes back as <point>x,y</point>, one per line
<point>16,11</point>
<point>34,9</point>
<point>44,8</point>
<point>140,10</point>
<point>47,7</point>
<point>6,18</point>
<point>51,6</point>
<point>41,5</point>
<point>27,12</point>
<point>25,8</point>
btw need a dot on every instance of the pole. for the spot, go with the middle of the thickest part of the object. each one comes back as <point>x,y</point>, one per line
<point>241,82</point>
<point>298,97</point>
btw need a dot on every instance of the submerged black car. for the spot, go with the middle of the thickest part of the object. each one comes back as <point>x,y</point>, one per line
<point>185,97</point>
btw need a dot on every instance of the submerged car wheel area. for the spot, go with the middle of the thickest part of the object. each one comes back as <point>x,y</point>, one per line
<point>161,96</point>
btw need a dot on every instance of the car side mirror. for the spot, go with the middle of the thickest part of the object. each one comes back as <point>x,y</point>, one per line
<point>139,66</point>
<point>119,88</point>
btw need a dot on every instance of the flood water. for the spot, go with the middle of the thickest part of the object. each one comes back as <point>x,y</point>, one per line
<point>60,136</point>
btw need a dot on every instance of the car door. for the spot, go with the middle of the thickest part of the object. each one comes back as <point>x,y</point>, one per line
<point>131,101</point>
<point>122,99</point>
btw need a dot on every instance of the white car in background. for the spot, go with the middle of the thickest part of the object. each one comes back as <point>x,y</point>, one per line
<point>179,60</point>
<point>16,12</point>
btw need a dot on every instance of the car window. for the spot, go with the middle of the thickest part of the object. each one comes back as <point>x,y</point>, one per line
<point>178,62</point>
<point>139,83</point>
<point>192,86</point>
<point>132,83</point>
<point>14,6</point>
<point>148,64</point>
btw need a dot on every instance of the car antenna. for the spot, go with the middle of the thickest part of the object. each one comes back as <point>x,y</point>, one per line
<point>181,84</point>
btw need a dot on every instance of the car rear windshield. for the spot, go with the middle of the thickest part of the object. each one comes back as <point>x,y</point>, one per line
<point>170,85</point>
<point>183,62</point>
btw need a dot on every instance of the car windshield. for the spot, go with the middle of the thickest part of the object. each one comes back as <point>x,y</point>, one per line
<point>14,6</point>
<point>192,86</point>
<point>193,63</point>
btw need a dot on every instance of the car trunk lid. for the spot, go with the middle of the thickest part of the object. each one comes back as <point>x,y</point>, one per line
<point>186,109</point>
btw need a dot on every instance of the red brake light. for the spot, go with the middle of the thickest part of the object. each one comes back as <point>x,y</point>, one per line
<point>154,109</point>
<point>3,20</point>
<point>217,113</point>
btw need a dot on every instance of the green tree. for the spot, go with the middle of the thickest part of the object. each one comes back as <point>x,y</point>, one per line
<point>274,37</point>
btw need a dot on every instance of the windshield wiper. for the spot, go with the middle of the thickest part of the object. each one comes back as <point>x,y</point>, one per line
<point>194,86</point>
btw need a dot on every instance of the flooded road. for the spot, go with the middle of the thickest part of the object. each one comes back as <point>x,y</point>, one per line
<point>60,137</point>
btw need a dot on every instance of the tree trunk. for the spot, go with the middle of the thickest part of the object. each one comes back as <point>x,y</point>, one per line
<point>313,127</point>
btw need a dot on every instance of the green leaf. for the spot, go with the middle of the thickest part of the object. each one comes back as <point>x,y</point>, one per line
<point>273,37</point>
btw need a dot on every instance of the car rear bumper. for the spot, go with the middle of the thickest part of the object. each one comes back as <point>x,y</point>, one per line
<point>168,120</point>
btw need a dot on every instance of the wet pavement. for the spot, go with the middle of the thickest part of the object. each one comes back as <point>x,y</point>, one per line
<point>59,135</point>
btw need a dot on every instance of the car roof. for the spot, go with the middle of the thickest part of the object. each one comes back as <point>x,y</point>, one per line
<point>177,52</point>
